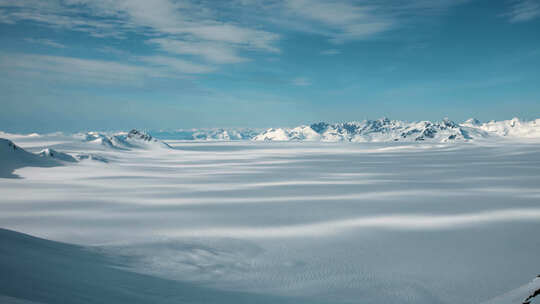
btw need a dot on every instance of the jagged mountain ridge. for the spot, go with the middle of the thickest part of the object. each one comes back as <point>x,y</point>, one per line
<point>372,131</point>
<point>380,130</point>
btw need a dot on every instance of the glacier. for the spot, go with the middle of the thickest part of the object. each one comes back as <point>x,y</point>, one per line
<point>134,217</point>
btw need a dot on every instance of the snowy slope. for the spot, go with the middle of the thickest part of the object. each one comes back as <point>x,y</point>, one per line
<point>13,157</point>
<point>526,294</point>
<point>53,154</point>
<point>343,223</point>
<point>40,271</point>
<point>99,138</point>
<point>510,128</point>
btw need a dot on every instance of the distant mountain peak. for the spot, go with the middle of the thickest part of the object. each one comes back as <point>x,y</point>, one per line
<point>123,140</point>
<point>51,153</point>
<point>473,122</point>
<point>134,133</point>
<point>378,130</point>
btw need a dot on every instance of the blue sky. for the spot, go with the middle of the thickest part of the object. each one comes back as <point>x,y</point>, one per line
<point>77,65</point>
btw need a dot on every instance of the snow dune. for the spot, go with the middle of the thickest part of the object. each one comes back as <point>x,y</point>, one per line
<point>392,222</point>
<point>40,271</point>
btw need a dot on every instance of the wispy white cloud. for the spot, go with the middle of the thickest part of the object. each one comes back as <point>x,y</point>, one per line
<point>58,15</point>
<point>71,69</point>
<point>183,20</point>
<point>524,10</point>
<point>343,20</point>
<point>211,51</point>
<point>46,42</point>
<point>184,27</point>
<point>229,33</point>
<point>193,22</point>
<point>213,32</point>
<point>101,72</point>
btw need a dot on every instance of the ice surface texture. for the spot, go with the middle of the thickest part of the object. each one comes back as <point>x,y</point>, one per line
<point>415,222</point>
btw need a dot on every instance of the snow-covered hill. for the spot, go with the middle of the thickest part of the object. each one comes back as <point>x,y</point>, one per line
<point>13,157</point>
<point>125,140</point>
<point>53,154</point>
<point>36,271</point>
<point>384,130</point>
<point>510,128</point>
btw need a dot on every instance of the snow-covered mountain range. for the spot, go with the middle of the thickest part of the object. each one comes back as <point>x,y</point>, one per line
<point>372,130</point>
<point>380,130</point>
